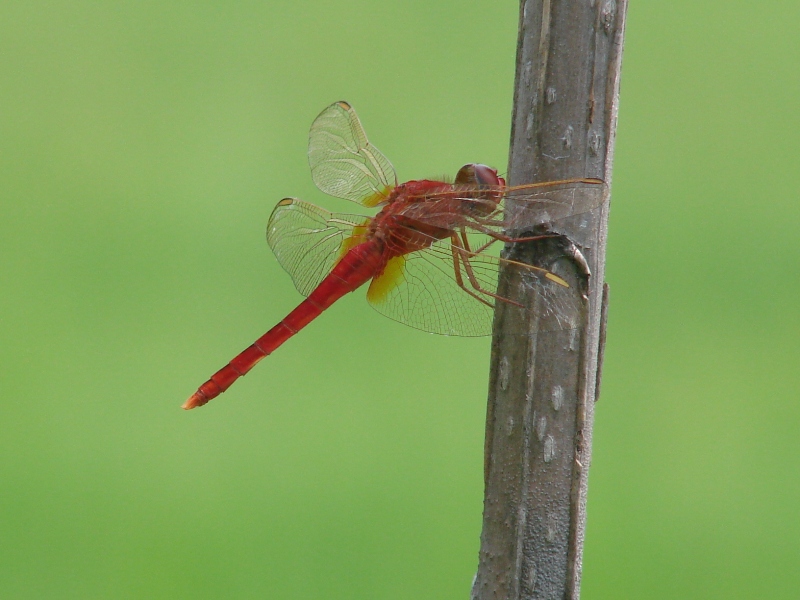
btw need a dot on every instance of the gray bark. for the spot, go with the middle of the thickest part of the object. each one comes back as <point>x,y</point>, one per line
<point>543,380</point>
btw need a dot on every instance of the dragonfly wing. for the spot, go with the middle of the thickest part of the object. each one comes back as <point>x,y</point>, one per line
<point>308,240</point>
<point>500,208</point>
<point>420,290</point>
<point>451,291</point>
<point>343,162</point>
<point>537,204</point>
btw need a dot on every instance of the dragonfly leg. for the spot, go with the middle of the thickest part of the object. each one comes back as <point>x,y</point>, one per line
<point>485,226</point>
<point>513,240</point>
<point>485,246</point>
<point>568,245</point>
<point>462,246</point>
<point>459,257</point>
<point>494,240</point>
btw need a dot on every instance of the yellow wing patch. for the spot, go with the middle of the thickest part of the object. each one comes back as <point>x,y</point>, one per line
<point>377,197</point>
<point>358,236</point>
<point>384,283</point>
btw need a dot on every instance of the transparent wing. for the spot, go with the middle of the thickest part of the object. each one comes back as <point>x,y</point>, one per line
<point>308,240</point>
<point>450,288</point>
<point>343,162</point>
<point>550,202</point>
<point>507,210</point>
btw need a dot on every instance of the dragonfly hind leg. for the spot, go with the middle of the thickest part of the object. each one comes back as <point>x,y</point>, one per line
<point>457,259</point>
<point>461,253</point>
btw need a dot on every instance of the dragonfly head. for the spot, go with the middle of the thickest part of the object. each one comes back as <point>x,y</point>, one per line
<point>478,174</point>
<point>480,188</point>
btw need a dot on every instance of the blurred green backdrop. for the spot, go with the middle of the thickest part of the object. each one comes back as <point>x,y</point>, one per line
<point>142,148</point>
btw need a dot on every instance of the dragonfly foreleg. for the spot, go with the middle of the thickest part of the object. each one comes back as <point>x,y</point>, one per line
<point>476,225</point>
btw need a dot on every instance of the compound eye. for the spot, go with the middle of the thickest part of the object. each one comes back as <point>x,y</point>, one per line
<point>477,174</point>
<point>486,175</point>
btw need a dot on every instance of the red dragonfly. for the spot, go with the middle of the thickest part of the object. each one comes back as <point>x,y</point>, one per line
<point>431,253</point>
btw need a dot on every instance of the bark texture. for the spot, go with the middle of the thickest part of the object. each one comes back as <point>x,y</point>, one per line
<point>544,377</point>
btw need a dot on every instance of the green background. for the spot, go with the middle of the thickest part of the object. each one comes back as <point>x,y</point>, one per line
<point>142,148</point>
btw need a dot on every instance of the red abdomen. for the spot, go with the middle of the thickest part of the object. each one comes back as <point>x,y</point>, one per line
<point>357,267</point>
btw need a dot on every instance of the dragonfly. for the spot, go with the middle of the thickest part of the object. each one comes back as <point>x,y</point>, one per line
<point>431,254</point>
